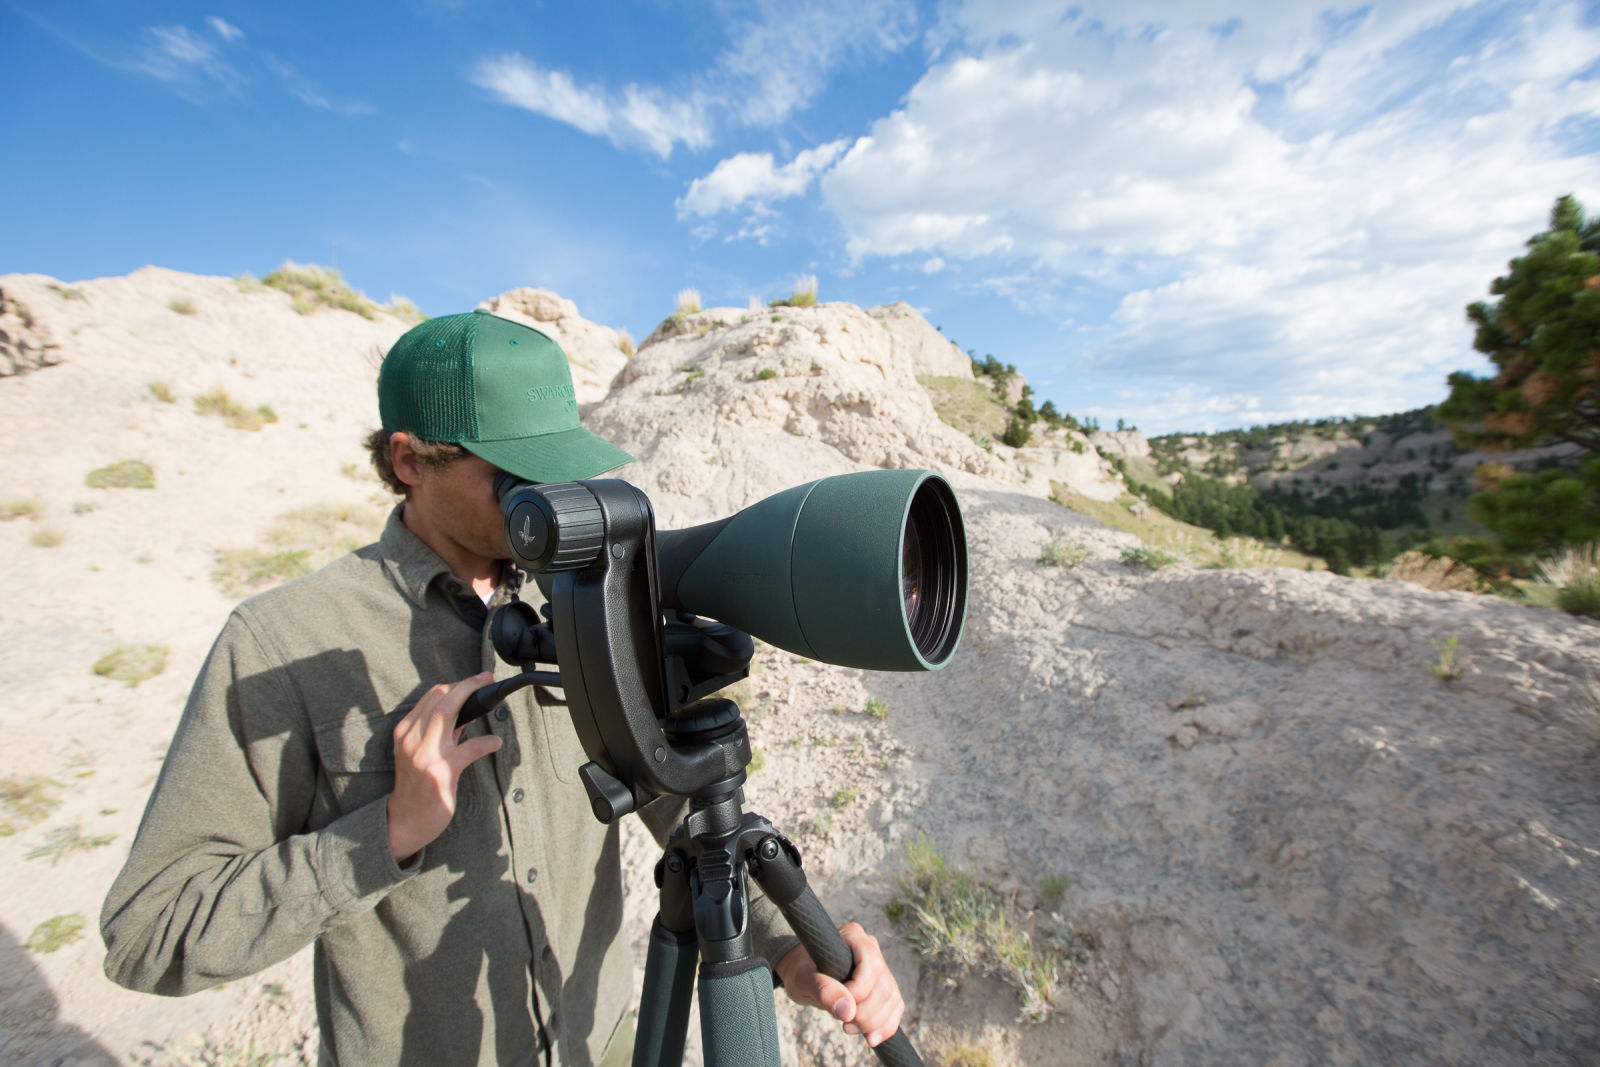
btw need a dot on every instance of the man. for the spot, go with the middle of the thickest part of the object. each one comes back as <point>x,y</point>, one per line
<point>465,904</point>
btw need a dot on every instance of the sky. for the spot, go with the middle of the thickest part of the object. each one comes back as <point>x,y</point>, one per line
<point>1188,216</point>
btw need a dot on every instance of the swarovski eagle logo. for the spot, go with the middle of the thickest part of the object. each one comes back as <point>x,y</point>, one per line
<point>526,533</point>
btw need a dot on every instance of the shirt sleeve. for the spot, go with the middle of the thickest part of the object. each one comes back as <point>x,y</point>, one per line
<point>224,878</point>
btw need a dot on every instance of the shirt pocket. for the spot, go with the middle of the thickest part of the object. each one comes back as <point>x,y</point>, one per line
<point>357,755</point>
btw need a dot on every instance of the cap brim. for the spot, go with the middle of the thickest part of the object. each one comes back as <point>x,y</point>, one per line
<point>566,456</point>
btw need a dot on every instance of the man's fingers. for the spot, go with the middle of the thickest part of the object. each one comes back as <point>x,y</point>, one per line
<point>473,749</point>
<point>834,998</point>
<point>442,716</point>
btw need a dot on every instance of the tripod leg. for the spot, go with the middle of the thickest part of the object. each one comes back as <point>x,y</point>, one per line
<point>737,1024</point>
<point>778,871</point>
<point>664,1004</point>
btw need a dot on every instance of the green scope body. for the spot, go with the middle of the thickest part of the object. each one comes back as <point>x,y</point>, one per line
<point>863,570</point>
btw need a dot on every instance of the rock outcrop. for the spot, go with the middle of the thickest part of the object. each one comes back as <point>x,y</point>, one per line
<point>24,344</point>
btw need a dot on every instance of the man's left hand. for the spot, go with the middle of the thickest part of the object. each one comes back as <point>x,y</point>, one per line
<point>870,1003</point>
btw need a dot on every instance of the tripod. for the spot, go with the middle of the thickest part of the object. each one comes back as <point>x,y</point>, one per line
<point>702,877</point>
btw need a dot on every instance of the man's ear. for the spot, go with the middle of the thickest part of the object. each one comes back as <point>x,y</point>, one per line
<point>403,460</point>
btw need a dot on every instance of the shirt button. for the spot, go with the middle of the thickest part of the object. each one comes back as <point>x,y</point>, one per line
<point>533,875</point>
<point>516,796</point>
<point>501,713</point>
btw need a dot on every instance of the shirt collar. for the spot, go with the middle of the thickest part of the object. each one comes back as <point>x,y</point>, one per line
<point>413,566</point>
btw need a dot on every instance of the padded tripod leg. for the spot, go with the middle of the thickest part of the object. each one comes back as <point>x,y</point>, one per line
<point>664,1004</point>
<point>738,1023</point>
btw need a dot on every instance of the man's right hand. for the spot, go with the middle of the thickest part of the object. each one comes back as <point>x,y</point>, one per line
<point>429,757</point>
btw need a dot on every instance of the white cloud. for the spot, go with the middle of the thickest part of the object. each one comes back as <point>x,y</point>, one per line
<point>1287,206</point>
<point>176,54</point>
<point>753,177</point>
<point>778,58</point>
<point>224,29</point>
<point>636,116</point>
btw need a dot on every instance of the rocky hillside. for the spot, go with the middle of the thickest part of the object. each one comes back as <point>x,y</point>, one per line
<point>1238,816</point>
<point>1353,453</point>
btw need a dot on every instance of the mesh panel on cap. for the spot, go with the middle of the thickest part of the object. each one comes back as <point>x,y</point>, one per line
<point>428,382</point>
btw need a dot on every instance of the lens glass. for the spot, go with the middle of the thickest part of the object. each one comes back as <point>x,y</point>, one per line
<point>911,576</point>
<point>933,572</point>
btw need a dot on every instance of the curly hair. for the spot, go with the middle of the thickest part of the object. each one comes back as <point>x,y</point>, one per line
<point>433,455</point>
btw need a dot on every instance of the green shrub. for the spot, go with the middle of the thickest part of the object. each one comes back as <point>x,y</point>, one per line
<point>47,537</point>
<point>249,283</point>
<point>219,403</point>
<point>843,799</point>
<point>162,392</point>
<point>1058,552</point>
<point>311,287</point>
<point>182,305</point>
<point>766,374</point>
<point>132,663</point>
<point>877,709</point>
<point>1149,558</point>
<point>1017,433</point>
<point>124,474</point>
<point>55,933</point>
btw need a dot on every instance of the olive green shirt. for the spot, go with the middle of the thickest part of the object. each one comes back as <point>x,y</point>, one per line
<point>499,943</point>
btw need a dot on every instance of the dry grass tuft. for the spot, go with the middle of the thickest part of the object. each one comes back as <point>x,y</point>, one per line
<point>55,933</point>
<point>625,343</point>
<point>949,915</point>
<point>63,841</point>
<point>687,301</point>
<point>132,663</point>
<point>311,287</point>
<point>26,800</point>
<point>219,403</point>
<point>123,474</point>
<point>404,310</point>
<point>21,508</point>
<point>182,305</point>
<point>1575,574</point>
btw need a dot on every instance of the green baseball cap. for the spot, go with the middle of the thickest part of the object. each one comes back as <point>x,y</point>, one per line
<point>498,389</point>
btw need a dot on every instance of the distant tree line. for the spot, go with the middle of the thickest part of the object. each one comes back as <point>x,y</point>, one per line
<point>1345,527</point>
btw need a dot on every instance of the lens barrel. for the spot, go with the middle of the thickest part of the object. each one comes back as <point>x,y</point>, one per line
<point>862,570</point>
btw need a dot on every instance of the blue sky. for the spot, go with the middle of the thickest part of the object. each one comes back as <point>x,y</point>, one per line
<point>1191,216</point>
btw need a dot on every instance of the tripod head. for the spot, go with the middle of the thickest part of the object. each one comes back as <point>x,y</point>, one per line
<point>866,570</point>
